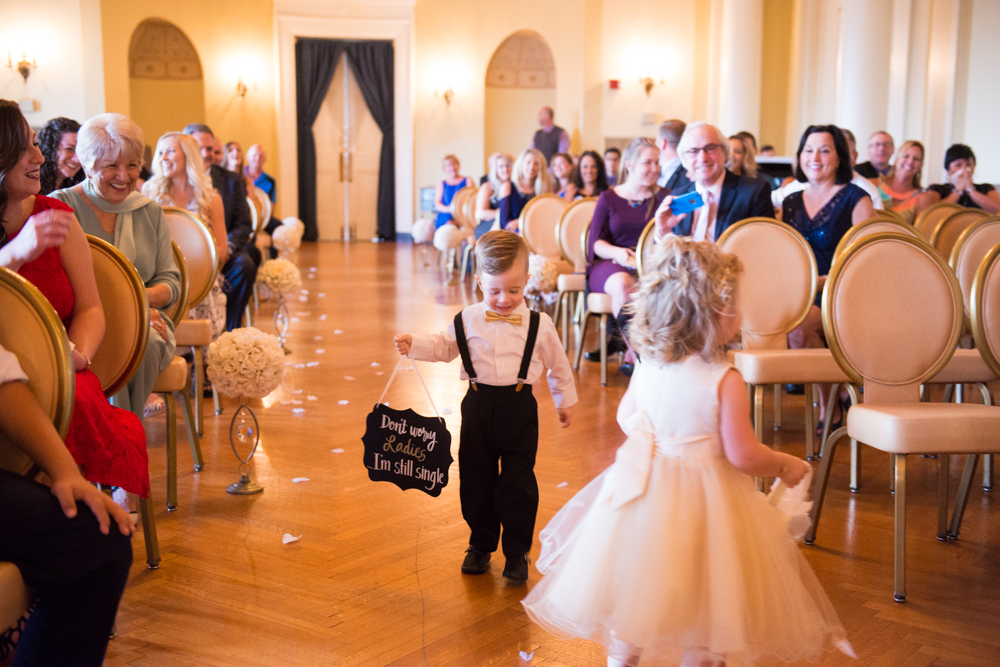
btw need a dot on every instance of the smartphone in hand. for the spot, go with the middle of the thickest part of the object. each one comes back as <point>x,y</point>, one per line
<point>685,203</point>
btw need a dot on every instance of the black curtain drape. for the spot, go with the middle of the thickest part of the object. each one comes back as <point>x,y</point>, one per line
<point>372,63</point>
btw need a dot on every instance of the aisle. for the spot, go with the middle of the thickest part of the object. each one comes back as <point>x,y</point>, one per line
<point>374,579</point>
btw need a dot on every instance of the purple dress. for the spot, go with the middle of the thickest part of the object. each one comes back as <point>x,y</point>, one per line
<point>619,222</point>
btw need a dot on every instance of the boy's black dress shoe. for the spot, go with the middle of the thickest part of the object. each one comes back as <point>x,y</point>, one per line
<point>476,562</point>
<point>516,568</point>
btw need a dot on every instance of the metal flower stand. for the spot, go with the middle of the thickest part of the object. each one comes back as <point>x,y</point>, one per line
<point>245,430</point>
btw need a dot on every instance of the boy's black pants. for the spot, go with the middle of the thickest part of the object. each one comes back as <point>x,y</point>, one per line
<point>496,462</point>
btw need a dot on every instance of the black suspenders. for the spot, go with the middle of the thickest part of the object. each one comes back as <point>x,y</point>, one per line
<point>529,349</point>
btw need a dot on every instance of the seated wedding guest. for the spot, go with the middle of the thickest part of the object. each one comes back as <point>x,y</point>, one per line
<point>741,161</point>
<point>448,188</point>
<point>960,163</point>
<point>42,242</point>
<point>529,177</point>
<point>255,175</point>
<point>728,198</point>
<point>612,160</point>
<point>57,141</point>
<point>621,214</point>
<point>233,161</point>
<point>778,195</point>
<point>490,162</point>
<point>590,179</point>
<point>673,175</point>
<point>551,138</point>
<point>110,148</point>
<point>240,270</point>
<point>218,152</point>
<point>767,150</point>
<point>823,212</point>
<point>70,542</point>
<point>488,197</point>
<point>900,187</point>
<point>750,140</point>
<point>880,150</point>
<point>179,179</point>
<point>562,170</point>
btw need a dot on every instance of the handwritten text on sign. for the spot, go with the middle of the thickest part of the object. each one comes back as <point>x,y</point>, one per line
<point>407,449</point>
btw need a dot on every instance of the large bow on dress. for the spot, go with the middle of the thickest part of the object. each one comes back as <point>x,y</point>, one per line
<point>634,460</point>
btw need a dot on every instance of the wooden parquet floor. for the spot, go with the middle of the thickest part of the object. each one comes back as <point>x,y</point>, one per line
<point>374,579</point>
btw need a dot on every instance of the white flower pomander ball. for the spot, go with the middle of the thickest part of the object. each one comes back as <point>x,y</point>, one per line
<point>288,237</point>
<point>279,276</point>
<point>448,237</point>
<point>246,362</point>
<point>423,230</point>
<point>544,276</point>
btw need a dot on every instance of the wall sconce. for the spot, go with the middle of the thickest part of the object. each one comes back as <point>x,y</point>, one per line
<point>648,83</point>
<point>241,89</point>
<point>23,67</point>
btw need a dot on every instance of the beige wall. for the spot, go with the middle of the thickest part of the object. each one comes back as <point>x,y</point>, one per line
<point>775,71</point>
<point>232,37</point>
<point>155,116</point>
<point>509,123</point>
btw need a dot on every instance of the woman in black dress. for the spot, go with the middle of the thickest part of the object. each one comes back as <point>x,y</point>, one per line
<point>823,212</point>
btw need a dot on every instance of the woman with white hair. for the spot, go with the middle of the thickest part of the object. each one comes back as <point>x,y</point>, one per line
<point>180,179</point>
<point>110,149</point>
<point>530,177</point>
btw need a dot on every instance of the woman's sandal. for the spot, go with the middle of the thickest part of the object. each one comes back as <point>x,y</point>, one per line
<point>154,405</point>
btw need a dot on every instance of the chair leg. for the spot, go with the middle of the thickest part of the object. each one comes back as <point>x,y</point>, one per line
<point>823,480</point>
<point>810,424</point>
<point>855,467</point>
<point>256,299</point>
<point>899,564</point>
<point>988,472</point>
<point>199,390</point>
<point>149,532</point>
<point>246,315</point>
<point>964,486</point>
<point>171,415</point>
<point>564,317</point>
<point>583,338</point>
<point>216,401</point>
<point>758,425</point>
<point>944,470</point>
<point>830,402</point>
<point>892,474</point>
<point>604,349</point>
<point>193,439</point>
<point>777,407</point>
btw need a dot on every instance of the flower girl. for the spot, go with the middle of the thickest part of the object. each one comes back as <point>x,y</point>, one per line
<point>672,548</point>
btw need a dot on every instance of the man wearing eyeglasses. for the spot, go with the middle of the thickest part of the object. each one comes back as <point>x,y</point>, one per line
<point>880,150</point>
<point>728,198</point>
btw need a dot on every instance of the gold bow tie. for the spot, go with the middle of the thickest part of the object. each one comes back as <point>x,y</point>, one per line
<point>496,317</point>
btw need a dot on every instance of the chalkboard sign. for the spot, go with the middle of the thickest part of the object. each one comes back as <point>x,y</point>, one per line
<point>407,449</point>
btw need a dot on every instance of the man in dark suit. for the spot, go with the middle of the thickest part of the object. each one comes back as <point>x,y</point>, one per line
<point>673,173</point>
<point>880,150</point>
<point>244,258</point>
<point>728,198</point>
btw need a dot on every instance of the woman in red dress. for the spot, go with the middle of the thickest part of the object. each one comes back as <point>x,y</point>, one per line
<point>43,242</point>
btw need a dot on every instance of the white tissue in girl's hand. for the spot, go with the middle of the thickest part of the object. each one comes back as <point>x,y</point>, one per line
<point>343,402</point>
<point>288,538</point>
<point>562,485</point>
<point>338,450</point>
<point>296,480</point>
<point>795,503</point>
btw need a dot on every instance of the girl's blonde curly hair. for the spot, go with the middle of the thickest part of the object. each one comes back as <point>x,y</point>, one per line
<point>676,310</point>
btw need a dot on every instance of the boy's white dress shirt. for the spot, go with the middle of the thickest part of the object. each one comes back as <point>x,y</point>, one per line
<point>496,349</point>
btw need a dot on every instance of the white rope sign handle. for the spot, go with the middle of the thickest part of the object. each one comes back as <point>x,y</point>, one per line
<point>417,369</point>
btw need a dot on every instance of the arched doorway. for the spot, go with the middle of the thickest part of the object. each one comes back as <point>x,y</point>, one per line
<point>520,79</point>
<point>166,88</point>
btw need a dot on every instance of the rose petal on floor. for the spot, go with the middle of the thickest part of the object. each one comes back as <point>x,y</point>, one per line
<point>296,480</point>
<point>288,538</point>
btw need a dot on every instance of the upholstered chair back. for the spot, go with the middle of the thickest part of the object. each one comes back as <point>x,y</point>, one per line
<point>31,330</point>
<point>197,246</point>
<point>572,224</point>
<point>538,221</point>
<point>946,233</point>
<point>969,252</point>
<point>779,279</point>
<point>932,215</point>
<point>892,313</point>
<point>178,309</point>
<point>460,206</point>
<point>126,316</point>
<point>874,225</point>
<point>985,309</point>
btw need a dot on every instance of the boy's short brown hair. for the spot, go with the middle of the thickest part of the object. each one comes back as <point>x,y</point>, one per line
<point>498,250</point>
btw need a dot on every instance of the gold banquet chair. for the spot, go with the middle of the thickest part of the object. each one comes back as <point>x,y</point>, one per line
<point>197,246</point>
<point>892,313</point>
<point>946,232</point>
<point>598,305</point>
<point>172,383</point>
<point>932,215</point>
<point>257,223</point>
<point>777,291</point>
<point>571,238</point>
<point>463,213</point>
<point>31,330</point>
<point>261,207</point>
<point>126,312</point>
<point>539,225</point>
